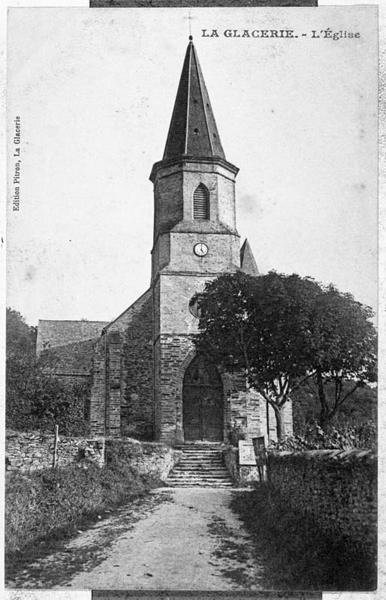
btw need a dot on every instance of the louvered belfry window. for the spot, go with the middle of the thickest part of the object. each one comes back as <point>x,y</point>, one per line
<point>201,203</point>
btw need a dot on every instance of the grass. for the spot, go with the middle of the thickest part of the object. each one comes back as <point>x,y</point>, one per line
<point>53,504</point>
<point>296,555</point>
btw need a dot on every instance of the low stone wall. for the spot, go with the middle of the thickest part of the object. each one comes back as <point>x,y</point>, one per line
<point>242,475</point>
<point>231,460</point>
<point>336,488</point>
<point>31,451</point>
<point>146,458</point>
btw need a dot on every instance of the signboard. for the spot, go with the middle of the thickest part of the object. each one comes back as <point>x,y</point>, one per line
<point>259,450</point>
<point>260,455</point>
<point>246,453</point>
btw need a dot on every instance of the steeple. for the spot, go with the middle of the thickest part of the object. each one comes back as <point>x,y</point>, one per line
<point>193,131</point>
<point>194,188</point>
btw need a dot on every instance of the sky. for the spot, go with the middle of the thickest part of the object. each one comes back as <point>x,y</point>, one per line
<point>95,90</point>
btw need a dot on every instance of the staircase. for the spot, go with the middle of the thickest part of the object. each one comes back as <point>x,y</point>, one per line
<point>200,465</point>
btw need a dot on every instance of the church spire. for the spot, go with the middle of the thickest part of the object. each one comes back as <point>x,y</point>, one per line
<point>193,131</point>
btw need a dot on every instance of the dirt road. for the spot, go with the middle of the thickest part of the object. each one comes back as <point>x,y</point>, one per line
<point>174,539</point>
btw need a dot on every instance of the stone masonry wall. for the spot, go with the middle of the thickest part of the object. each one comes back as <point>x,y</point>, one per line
<point>32,451</point>
<point>335,488</point>
<point>172,356</point>
<point>243,408</point>
<point>137,408</point>
<point>243,476</point>
<point>111,373</point>
<point>147,458</point>
<point>168,204</point>
<point>113,383</point>
<point>98,389</point>
<point>246,413</point>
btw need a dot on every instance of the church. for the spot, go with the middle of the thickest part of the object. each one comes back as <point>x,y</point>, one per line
<point>145,379</point>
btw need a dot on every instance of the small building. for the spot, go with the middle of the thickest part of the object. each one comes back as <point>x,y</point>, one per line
<point>145,377</point>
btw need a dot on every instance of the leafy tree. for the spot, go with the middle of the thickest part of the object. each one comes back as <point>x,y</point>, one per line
<point>260,324</point>
<point>20,365</point>
<point>342,351</point>
<point>35,398</point>
<point>283,331</point>
<point>360,408</point>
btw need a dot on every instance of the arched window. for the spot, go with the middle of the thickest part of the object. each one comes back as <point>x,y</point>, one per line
<point>201,203</point>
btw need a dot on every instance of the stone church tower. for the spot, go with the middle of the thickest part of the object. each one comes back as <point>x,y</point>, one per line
<point>195,239</point>
<point>146,380</point>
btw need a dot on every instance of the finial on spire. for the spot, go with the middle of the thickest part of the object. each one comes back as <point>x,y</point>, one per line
<point>189,18</point>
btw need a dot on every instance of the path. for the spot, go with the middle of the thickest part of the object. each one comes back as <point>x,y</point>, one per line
<point>175,539</point>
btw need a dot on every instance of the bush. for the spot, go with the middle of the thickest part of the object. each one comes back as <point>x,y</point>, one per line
<point>55,501</point>
<point>36,399</point>
<point>295,554</point>
<point>345,437</point>
<point>360,408</point>
<point>236,434</point>
<point>47,401</point>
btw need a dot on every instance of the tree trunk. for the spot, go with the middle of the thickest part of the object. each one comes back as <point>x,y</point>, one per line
<point>55,452</point>
<point>279,421</point>
<point>324,417</point>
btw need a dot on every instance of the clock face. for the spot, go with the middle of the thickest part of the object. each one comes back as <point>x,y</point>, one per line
<point>200,249</point>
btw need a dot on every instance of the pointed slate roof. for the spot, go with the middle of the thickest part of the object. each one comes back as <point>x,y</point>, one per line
<point>193,131</point>
<point>247,260</point>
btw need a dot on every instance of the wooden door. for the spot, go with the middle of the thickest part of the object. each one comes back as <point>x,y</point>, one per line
<point>202,402</point>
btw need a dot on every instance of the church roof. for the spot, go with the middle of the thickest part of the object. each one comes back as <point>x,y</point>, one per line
<point>193,130</point>
<point>52,334</point>
<point>247,260</point>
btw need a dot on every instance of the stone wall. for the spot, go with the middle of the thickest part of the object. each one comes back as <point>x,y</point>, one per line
<point>248,414</point>
<point>113,383</point>
<point>244,475</point>
<point>98,389</point>
<point>137,406</point>
<point>31,451</point>
<point>121,378</point>
<point>335,488</point>
<point>231,460</point>
<point>247,409</point>
<point>147,458</point>
<point>172,356</point>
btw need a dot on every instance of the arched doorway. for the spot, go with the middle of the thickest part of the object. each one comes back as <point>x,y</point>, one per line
<point>203,417</point>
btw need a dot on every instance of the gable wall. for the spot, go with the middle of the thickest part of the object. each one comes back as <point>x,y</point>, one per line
<point>122,390</point>
<point>122,322</point>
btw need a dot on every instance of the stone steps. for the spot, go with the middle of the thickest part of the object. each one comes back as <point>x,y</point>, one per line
<point>201,465</point>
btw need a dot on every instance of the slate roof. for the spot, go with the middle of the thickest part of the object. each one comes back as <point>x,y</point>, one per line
<point>193,130</point>
<point>247,260</point>
<point>59,333</point>
<point>123,320</point>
